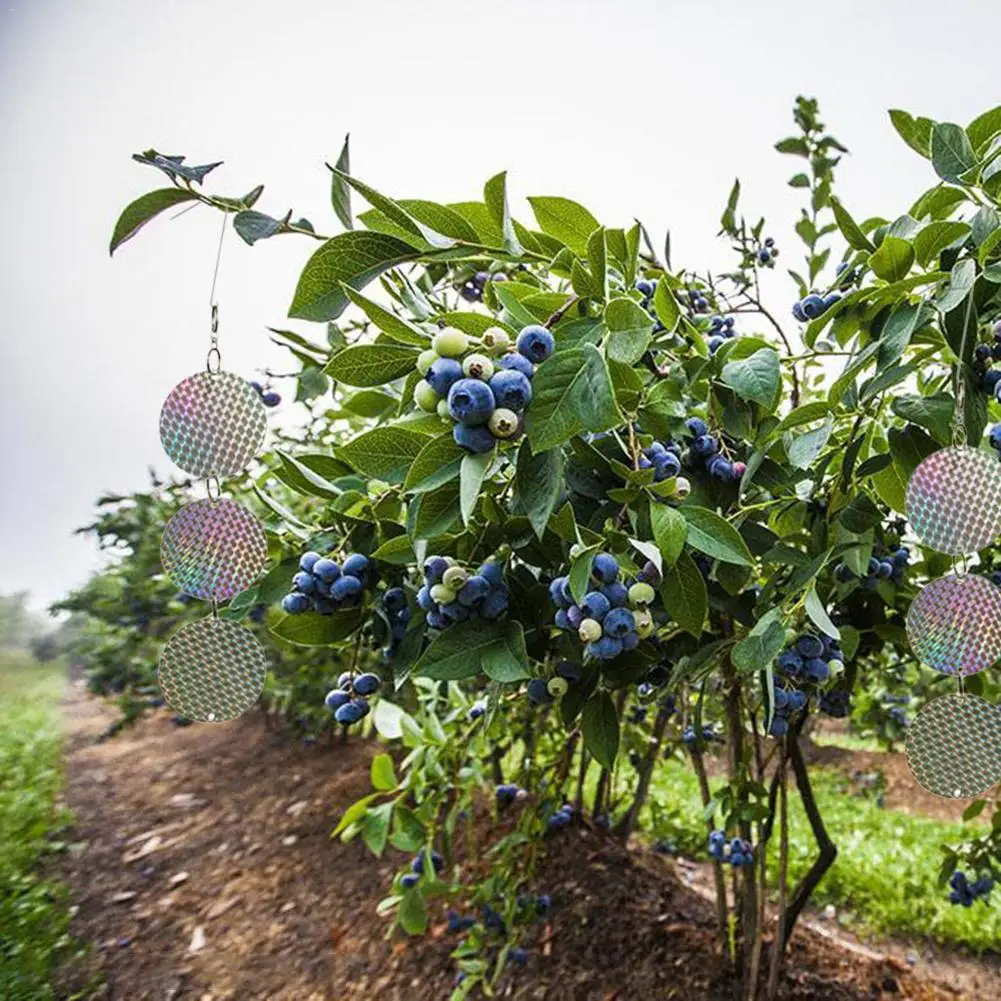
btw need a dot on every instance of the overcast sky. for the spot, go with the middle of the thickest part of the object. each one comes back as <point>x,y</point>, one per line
<point>634,108</point>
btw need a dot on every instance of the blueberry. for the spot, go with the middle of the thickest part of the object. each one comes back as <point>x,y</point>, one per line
<point>721,468</point>
<point>308,560</point>
<point>797,312</point>
<point>477,440</point>
<point>605,567</point>
<point>477,366</point>
<point>607,648</point>
<point>817,670</point>
<point>641,593</point>
<point>569,671</point>
<point>295,603</point>
<point>471,402</point>
<point>450,343</point>
<point>348,713</point>
<point>304,582</point>
<point>797,700</point>
<point>790,662</point>
<point>271,399</point>
<point>346,587</point>
<point>535,343</point>
<point>618,622</point>
<point>644,288</point>
<point>394,600</point>
<point>443,374</point>
<point>589,630</point>
<point>409,881</point>
<point>630,641</point>
<point>779,727</point>
<point>257,387</point>
<point>518,363</point>
<point>474,590</point>
<point>575,616</point>
<point>885,569</point>
<point>336,698</point>
<point>493,571</point>
<point>355,565</point>
<point>809,645</point>
<point>595,605</point>
<point>617,594</point>
<point>367,684</point>
<point>504,423</point>
<point>705,445</point>
<point>512,389</point>
<point>496,604</point>
<point>812,306</point>
<point>715,343</point>
<point>982,352</point>
<point>995,437</point>
<point>326,570</point>
<point>696,427</point>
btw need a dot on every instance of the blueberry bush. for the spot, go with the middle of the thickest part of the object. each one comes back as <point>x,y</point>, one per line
<point>564,506</point>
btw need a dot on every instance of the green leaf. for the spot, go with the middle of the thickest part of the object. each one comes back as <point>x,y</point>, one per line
<point>580,573</point>
<point>728,220</point>
<point>144,208</point>
<point>388,719</point>
<point>496,648</point>
<point>340,193</point>
<point>383,775</point>
<point>756,378</point>
<point>509,299</point>
<point>916,132</point>
<point>412,913</point>
<point>597,262</point>
<point>975,808</point>
<point>311,629</point>
<point>371,364</point>
<point>253,226</point>
<point>438,462</point>
<point>599,725</point>
<point>802,451</point>
<point>389,323</point>
<point>666,306</point>
<point>353,258</point>
<point>375,828</point>
<point>353,814</point>
<point>897,333</point>
<point>399,551</point>
<point>818,614</point>
<point>984,128</point>
<point>565,220</point>
<point>312,482</point>
<point>629,330</point>
<point>384,452</point>
<point>495,197</point>
<point>670,529</point>
<point>716,537</point>
<point>472,471</point>
<point>932,412</point>
<point>893,259</point>
<point>952,154</point>
<point>572,392</point>
<point>684,594</point>
<point>435,512</point>
<point>757,650</point>
<point>961,281</point>
<point>538,481</point>
<point>439,220</point>
<point>850,229</point>
<point>932,239</point>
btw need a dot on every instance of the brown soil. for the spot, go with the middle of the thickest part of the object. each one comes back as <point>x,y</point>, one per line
<point>205,872</point>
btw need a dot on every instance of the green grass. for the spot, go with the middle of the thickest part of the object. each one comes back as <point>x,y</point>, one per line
<point>885,878</point>
<point>33,912</point>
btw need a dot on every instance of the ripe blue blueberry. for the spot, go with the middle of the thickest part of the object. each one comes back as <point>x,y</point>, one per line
<point>790,662</point>
<point>535,343</point>
<point>812,306</point>
<point>394,600</point>
<point>797,312</point>
<point>512,389</point>
<point>617,593</point>
<point>355,565</point>
<point>346,587</point>
<point>995,437</point>
<point>304,582</point>
<point>644,287</point>
<point>817,670</point>
<point>518,363</point>
<point>308,560</point>
<point>605,567</point>
<point>443,374</point>
<point>595,605</point>
<point>569,671</point>
<point>618,622</point>
<point>470,402</point>
<point>575,616</point>
<point>336,698</point>
<point>538,692</point>
<point>295,603</point>
<point>367,684</point>
<point>495,604</point>
<point>477,440</point>
<point>696,427</point>
<point>348,713</point>
<point>409,881</point>
<point>607,648</point>
<point>474,590</point>
<point>705,445</point>
<point>721,468</point>
<point>715,343</point>
<point>326,570</point>
<point>809,645</point>
<point>779,727</point>
<point>271,399</point>
<point>559,592</point>
<point>493,571</point>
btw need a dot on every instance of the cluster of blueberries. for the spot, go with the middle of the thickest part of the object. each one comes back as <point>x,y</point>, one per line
<point>808,661</point>
<point>457,924</point>
<point>472,289</point>
<point>604,623</point>
<point>324,585</point>
<point>543,692</point>
<point>889,567</point>
<point>417,867</point>
<point>476,710</point>
<point>507,793</point>
<point>984,356</point>
<point>708,734</point>
<point>486,400</point>
<point>696,300</point>
<point>268,396</point>
<point>348,701</point>
<point>394,604</point>
<point>899,716</point>
<point>737,851</point>
<point>705,449</point>
<point>767,254</point>
<point>563,817</point>
<point>836,703</point>
<point>664,458</point>
<point>720,331</point>
<point>787,701</point>
<point>451,594</point>
<point>964,892</point>
<point>814,305</point>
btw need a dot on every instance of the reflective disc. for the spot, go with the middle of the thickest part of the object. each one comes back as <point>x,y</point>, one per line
<point>213,424</point>
<point>212,670</point>
<point>214,549</point>
<point>954,500</point>
<point>954,746</point>
<point>954,624</point>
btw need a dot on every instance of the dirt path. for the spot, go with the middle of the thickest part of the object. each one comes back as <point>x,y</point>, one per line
<point>206,873</point>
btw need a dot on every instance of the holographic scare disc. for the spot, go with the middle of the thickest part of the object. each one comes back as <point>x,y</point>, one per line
<point>212,670</point>
<point>213,424</point>
<point>954,500</point>
<point>214,549</point>
<point>954,624</point>
<point>954,746</point>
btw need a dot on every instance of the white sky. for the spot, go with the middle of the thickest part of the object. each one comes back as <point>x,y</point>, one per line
<point>633,108</point>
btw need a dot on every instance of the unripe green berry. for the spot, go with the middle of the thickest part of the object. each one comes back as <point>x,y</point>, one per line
<point>443,408</point>
<point>589,631</point>
<point>425,397</point>
<point>503,423</point>
<point>641,593</point>
<point>425,360</point>
<point>442,594</point>
<point>495,340</point>
<point>478,367</point>
<point>450,343</point>
<point>644,623</point>
<point>557,687</point>
<point>682,488</point>
<point>454,578</point>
